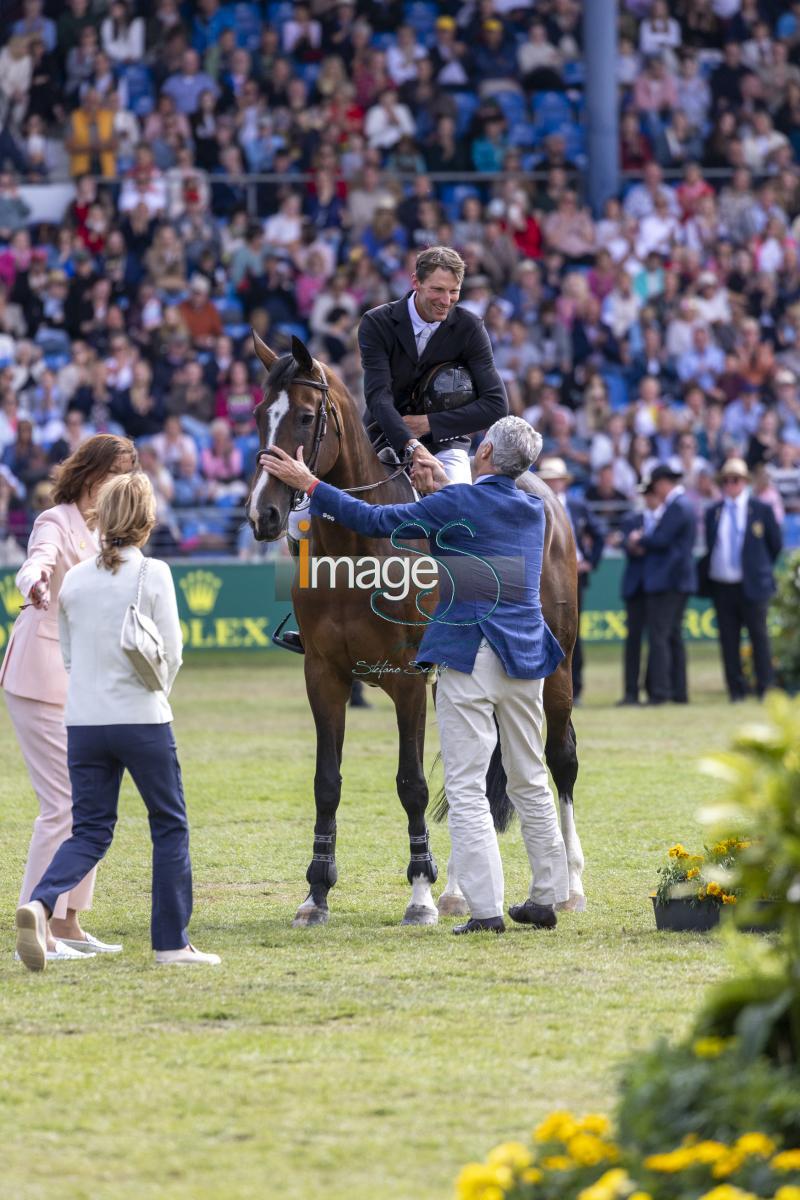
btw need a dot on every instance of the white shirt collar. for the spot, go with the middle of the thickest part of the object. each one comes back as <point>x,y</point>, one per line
<point>741,502</point>
<point>416,320</point>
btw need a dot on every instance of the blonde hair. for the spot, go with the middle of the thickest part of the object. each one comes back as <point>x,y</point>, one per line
<point>124,516</point>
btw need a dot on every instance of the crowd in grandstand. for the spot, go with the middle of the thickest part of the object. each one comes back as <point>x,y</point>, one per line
<point>279,166</point>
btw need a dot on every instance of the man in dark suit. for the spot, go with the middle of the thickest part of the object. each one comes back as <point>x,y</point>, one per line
<point>670,577</point>
<point>590,537</point>
<point>633,594</point>
<point>401,342</point>
<point>743,540</point>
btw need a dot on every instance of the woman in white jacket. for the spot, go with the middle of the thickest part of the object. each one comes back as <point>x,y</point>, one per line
<point>114,722</point>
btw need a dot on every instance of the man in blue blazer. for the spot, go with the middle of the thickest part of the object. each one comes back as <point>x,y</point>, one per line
<point>670,578</point>
<point>743,540</point>
<point>494,651</point>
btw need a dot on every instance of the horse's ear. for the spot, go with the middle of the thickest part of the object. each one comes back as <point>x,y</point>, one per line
<point>267,356</point>
<point>301,355</point>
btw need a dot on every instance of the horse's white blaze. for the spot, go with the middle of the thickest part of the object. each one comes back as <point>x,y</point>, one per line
<point>275,414</point>
<point>577,897</point>
<point>261,483</point>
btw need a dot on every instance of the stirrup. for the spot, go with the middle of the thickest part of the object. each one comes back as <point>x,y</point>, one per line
<point>294,545</point>
<point>291,640</point>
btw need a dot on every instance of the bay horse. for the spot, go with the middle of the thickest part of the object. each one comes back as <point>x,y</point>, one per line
<point>305,404</point>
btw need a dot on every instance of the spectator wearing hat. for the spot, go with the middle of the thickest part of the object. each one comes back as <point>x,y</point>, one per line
<point>590,537</point>
<point>670,577</point>
<point>743,541</point>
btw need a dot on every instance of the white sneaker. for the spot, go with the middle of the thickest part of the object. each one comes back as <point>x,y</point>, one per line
<point>31,922</point>
<point>185,957</point>
<point>89,945</point>
<point>60,954</point>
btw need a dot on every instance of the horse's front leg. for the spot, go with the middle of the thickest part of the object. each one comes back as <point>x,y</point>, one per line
<point>409,698</point>
<point>327,694</point>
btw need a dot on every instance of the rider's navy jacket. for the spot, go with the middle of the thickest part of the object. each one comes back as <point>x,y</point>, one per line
<point>490,536</point>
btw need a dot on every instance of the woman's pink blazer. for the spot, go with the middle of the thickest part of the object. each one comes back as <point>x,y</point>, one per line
<point>32,666</point>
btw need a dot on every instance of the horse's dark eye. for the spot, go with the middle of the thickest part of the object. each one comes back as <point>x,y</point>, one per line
<point>307,419</point>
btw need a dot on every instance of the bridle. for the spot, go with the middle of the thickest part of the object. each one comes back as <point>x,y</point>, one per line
<point>326,407</point>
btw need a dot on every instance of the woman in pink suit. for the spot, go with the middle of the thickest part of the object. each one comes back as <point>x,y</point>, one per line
<point>35,682</point>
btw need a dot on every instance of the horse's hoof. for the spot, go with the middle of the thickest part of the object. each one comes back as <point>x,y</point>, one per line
<point>420,914</point>
<point>575,903</point>
<point>311,915</point>
<point>452,906</point>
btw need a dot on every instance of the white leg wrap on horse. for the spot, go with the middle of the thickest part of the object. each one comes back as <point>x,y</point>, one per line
<point>577,898</point>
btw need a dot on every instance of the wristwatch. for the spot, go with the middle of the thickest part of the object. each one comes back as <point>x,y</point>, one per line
<point>412,445</point>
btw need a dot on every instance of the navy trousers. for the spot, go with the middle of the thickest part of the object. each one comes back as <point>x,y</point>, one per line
<point>98,756</point>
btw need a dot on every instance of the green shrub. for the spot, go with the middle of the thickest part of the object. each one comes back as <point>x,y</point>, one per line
<point>785,623</point>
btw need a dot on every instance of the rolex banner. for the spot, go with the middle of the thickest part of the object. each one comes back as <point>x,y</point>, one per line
<point>237,606</point>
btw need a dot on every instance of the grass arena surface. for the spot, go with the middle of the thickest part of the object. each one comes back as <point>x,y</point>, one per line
<point>363,1060</point>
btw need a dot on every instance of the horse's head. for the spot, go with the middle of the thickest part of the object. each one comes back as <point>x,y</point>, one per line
<point>296,411</point>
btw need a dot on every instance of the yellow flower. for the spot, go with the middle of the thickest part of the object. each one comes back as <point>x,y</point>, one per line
<point>787,1160</point>
<point>787,1192</point>
<point>531,1175</point>
<point>557,1162</point>
<point>559,1126</point>
<point>480,1181</point>
<point>728,1164</point>
<point>640,1196</point>
<point>678,851</point>
<point>713,888</point>
<point>594,1123</point>
<point>708,1152</point>
<point>695,871</point>
<point>709,1047</point>
<point>726,1191</point>
<point>755,1144</point>
<point>589,1150</point>
<point>608,1187</point>
<point>729,898</point>
<point>510,1154</point>
<point>672,1162</point>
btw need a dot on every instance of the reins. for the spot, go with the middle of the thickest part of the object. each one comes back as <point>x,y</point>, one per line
<point>326,405</point>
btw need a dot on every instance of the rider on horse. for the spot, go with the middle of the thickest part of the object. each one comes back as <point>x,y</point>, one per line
<point>401,346</point>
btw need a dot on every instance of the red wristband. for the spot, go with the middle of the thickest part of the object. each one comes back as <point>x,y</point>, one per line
<point>310,489</point>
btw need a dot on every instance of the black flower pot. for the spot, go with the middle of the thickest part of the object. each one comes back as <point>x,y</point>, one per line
<point>679,916</point>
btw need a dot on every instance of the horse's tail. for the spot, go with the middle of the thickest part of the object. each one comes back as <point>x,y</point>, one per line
<point>500,806</point>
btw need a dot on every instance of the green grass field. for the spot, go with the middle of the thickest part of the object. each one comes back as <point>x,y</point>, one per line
<point>362,1060</point>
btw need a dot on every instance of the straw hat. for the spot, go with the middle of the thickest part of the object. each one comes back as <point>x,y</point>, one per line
<point>553,468</point>
<point>736,467</point>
